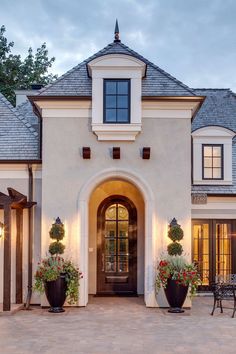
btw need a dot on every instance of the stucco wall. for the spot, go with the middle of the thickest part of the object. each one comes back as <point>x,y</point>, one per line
<point>64,173</point>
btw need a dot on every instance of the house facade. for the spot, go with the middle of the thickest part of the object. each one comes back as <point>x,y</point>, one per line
<point>117,148</point>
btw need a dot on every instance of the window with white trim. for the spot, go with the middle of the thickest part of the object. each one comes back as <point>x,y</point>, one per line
<point>212,161</point>
<point>116,101</point>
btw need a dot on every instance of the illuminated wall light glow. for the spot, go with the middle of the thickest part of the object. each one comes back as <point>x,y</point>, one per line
<point>1,230</point>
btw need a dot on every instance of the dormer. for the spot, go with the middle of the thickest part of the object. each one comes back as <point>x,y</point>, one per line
<point>212,155</point>
<point>116,96</point>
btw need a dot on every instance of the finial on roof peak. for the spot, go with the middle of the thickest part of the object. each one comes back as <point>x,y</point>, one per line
<point>117,33</point>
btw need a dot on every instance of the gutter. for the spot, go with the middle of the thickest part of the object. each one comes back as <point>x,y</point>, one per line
<point>30,235</point>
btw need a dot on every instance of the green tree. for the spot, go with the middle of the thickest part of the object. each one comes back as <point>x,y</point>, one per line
<point>16,73</point>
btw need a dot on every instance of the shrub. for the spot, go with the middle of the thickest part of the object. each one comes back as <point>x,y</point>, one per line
<point>175,233</point>
<point>57,231</point>
<point>174,249</point>
<point>56,248</point>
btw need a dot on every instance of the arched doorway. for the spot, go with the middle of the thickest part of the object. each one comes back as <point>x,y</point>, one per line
<point>86,258</point>
<point>117,246</point>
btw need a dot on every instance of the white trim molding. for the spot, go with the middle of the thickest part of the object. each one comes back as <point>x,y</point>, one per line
<point>121,132</point>
<point>212,135</point>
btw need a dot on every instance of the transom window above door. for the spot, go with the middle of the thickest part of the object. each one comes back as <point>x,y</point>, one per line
<point>212,161</point>
<point>116,101</point>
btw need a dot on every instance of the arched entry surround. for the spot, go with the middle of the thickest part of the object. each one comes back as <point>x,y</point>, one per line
<point>150,231</point>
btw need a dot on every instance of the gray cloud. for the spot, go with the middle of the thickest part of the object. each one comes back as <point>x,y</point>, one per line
<point>194,41</point>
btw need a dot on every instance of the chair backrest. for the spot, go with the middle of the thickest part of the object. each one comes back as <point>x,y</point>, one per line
<point>228,279</point>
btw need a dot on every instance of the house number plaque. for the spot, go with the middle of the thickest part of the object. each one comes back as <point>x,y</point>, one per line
<point>199,198</point>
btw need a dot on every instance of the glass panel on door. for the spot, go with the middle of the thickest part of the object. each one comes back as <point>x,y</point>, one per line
<point>223,248</point>
<point>116,256</point>
<point>201,250</point>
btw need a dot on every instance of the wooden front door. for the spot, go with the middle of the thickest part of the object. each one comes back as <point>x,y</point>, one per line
<point>117,247</point>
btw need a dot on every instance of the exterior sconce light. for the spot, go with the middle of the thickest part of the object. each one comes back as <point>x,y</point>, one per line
<point>86,152</point>
<point>174,222</point>
<point>1,229</point>
<point>116,153</point>
<point>146,153</point>
<point>58,221</point>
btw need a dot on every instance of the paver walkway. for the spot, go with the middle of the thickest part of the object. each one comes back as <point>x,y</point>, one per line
<point>119,325</point>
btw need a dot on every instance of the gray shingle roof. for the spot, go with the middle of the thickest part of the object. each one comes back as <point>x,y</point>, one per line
<point>219,108</point>
<point>18,139</point>
<point>77,83</point>
<point>26,110</point>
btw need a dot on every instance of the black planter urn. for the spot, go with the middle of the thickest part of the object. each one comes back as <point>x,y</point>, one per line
<point>176,295</point>
<point>56,293</point>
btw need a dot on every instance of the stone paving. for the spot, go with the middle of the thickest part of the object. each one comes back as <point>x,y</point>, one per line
<point>119,325</point>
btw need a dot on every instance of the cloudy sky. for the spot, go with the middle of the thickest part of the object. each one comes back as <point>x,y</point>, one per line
<point>194,41</point>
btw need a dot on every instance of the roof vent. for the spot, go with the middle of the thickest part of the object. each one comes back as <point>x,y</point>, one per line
<point>36,86</point>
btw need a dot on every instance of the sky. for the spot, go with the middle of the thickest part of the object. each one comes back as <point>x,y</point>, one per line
<point>194,41</point>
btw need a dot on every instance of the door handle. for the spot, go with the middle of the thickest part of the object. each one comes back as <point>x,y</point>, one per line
<point>103,260</point>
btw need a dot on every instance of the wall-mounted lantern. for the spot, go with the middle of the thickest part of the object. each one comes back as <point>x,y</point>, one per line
<point>1,229</point>
<point>116,153</point>
<point>86,152</point>
<point>146,153</point>
<point>174,222</point>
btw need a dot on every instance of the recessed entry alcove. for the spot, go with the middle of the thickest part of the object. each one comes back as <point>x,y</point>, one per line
<point>116,239</point>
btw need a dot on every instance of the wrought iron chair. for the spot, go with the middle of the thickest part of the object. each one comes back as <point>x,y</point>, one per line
<point>224,288</point>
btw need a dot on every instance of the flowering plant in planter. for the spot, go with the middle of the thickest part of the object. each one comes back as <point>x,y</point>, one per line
<point>57,277</point>
<point>177,268</point>
<point>174,273</point>
<point>50,269</point>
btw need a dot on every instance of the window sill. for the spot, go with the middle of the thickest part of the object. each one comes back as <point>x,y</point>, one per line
<point>116,132</point>
<point>214,182</point>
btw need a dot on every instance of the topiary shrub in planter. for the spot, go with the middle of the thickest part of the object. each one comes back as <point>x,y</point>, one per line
<point>174,273</point>
<point>57,277</point>
<point>175,249</point>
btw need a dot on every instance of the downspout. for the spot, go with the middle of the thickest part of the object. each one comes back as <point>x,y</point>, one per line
<point>30,236</point>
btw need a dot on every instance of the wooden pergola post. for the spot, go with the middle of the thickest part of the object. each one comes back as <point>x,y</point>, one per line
<point>18,201</point>
<point>7,258</point>
<point>19,254</point>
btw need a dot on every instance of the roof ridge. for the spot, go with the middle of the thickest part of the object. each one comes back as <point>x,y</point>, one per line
<point>18,115</point>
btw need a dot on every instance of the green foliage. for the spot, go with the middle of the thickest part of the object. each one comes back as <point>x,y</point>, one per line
<point>16,73</point>
<point>174,249</point>
<point>56,248</point>
<point>178,269</point>
<point>175,233</point>
<point>50,268</point>
<point>177,262</point>
<point>57,232</point>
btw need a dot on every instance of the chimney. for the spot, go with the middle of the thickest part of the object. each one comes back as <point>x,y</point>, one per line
<point>21,94</point>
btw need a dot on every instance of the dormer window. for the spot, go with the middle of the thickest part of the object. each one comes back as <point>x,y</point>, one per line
<point>116,101</point>
<point>212,156</point>
<point>212,159</point>
<point>116,96</point>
